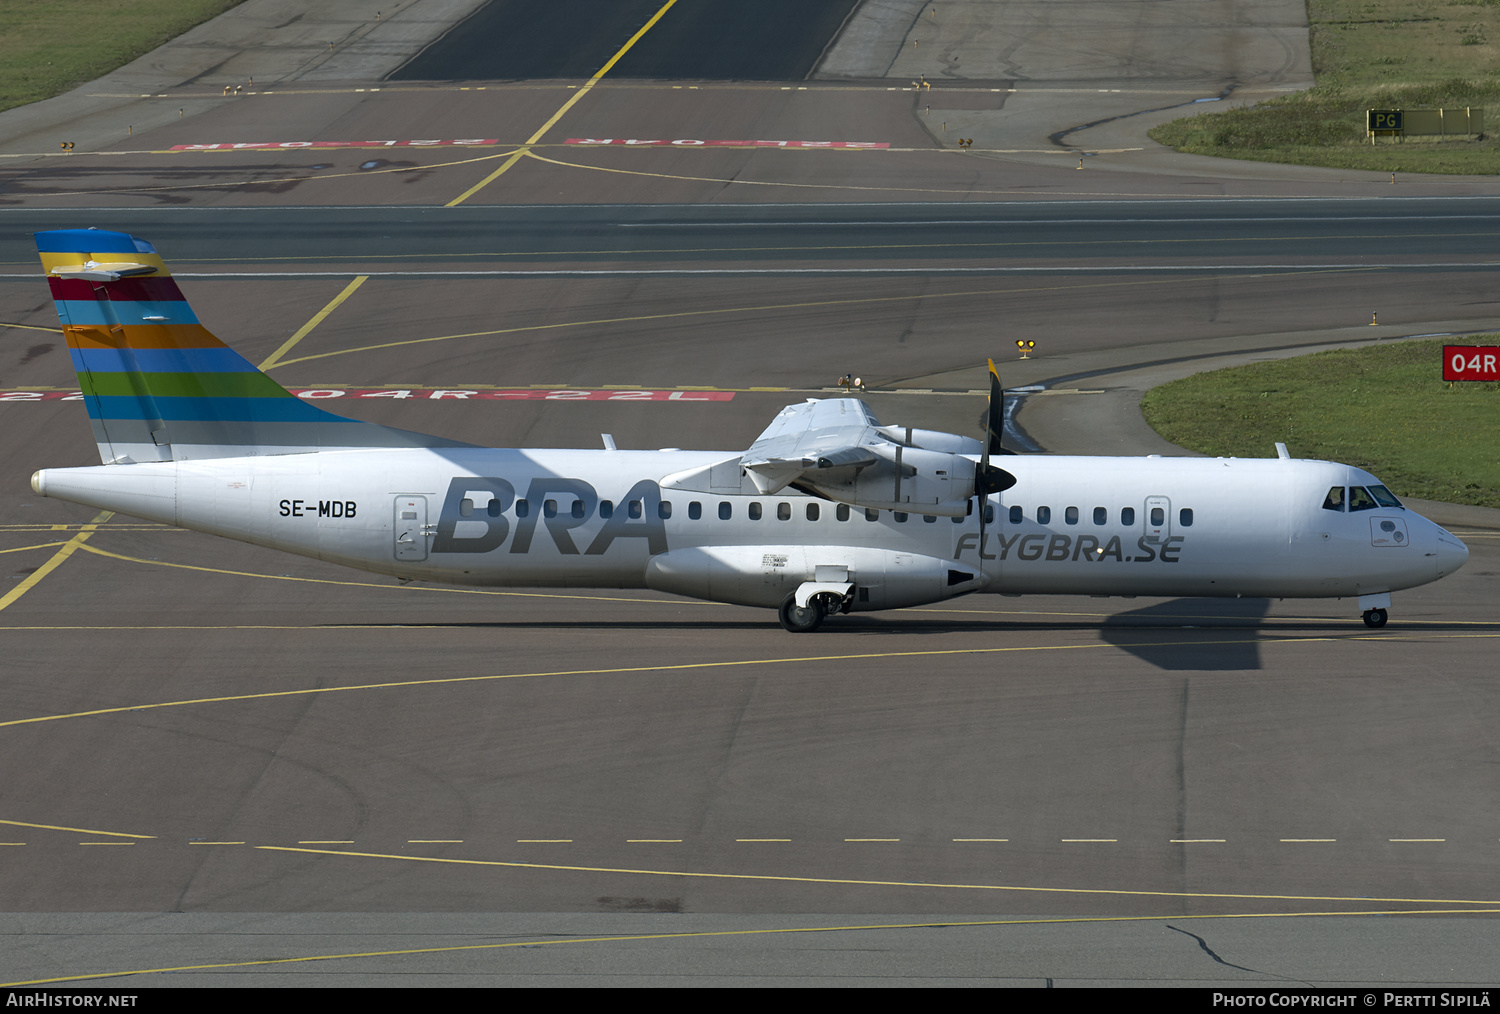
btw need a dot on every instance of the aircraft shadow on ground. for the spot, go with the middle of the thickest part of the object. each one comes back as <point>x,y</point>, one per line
<point>1213,617</point>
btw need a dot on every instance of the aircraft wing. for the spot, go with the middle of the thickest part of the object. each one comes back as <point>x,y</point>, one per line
<point>835,448</point>
<point>817,435</point>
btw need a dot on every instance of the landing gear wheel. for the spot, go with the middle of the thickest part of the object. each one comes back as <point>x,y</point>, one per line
<point>1375,617</point>
<point>800,619</point>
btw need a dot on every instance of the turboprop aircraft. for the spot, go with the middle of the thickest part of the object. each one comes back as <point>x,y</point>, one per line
<point>826,512</point>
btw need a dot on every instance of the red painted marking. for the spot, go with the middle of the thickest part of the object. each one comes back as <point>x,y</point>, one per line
<point>288,145</point>
<point>1471,362</point>
<point>517,394</point>
<point>437,394</point>
<point>687,142</point>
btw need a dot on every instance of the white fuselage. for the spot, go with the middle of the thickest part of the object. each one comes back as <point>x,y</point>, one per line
<point>582,518</point>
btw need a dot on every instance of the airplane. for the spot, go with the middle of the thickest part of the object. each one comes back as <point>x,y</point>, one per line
<point>827,512</point>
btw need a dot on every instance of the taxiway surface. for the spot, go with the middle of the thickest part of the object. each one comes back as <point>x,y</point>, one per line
<point>194,729</point>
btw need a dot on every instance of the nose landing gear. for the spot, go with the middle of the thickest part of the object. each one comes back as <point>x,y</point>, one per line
<point>1374,617</point>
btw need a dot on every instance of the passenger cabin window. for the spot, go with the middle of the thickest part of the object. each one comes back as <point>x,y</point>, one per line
<point>989,513</point>
<point>664,509</point>
<point>606,509</point>
<point>1185,517</point>
<point>695,510</point>
<point>1015,514</point>
<point>754,510</point>
<point>1360,499</point>
<point>726,510</point>
<point>871,514</point>
<point>1070,515</point>
<point>1127,516</point>
<point>522,508</point>
<point>783,511</point>
<point>900,516</point>
<point>1158,517</point>
<point>549,508</point>
<point>577,509</point>
<point>634,509</point>
<point>841,512</point>
<point>1044,515</point>
<point>1334,501</point>
<point>929,518</point>
<point>1101,516</point>
<point>812,512</point>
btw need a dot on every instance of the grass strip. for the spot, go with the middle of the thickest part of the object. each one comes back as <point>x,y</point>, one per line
<point>1371,54</point>
<point>50,46</point>
<point>1384,408</point>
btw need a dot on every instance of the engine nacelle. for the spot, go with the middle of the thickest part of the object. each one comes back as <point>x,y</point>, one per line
<point>766,575</point>
<point>931,440</point>
<point>902,479</point>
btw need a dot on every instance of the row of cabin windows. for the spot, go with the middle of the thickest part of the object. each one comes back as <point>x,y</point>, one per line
<point>1072,516</point>
<point>635,509</point>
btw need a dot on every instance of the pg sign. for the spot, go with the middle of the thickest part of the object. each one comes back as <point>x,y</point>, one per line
<point>1471,362</point>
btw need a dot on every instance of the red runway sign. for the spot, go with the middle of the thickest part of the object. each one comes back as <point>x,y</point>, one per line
<point>1471,362</point>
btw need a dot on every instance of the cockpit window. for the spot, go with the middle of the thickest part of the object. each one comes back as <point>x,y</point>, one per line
<point>1384,497</point>
<point>1334,501</point>
<point>1360,499</point>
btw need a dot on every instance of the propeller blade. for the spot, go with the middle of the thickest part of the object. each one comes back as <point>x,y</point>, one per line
<point>987,478</point>
<point>994,421</point>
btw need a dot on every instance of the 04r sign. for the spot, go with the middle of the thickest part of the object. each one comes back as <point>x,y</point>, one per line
<point>1471,362</point>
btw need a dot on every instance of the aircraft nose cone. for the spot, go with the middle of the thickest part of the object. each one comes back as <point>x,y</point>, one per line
<point>1451,554</point>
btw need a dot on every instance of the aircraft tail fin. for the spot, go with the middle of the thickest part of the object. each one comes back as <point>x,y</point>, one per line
<point>158,385</point>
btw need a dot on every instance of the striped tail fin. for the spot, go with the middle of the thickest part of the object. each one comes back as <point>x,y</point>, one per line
<point>159,386</point>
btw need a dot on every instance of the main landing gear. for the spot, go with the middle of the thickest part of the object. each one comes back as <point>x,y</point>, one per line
<point>801,619</point>
<point>1373,617</point>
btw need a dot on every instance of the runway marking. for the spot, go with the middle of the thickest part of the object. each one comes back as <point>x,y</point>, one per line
<point>787,878</point>
<point>75,830</point>
<point>67,550</point>
<point>317,318</point>
<point>40,545</point>
<point>358,584</point>
<point>106,843</point>
<point>284,179</point>
<point>697,143</point>
<point>676,667</point>
<point>705,934</point>
<point>485,142</point>
<point>580,93</point>
<point>33,327</point>
<point>828,186</point>
<point>1308,840</point>
<point>721,311</point>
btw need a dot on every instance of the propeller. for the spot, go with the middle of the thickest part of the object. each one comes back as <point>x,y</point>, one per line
<point>988,478</point>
